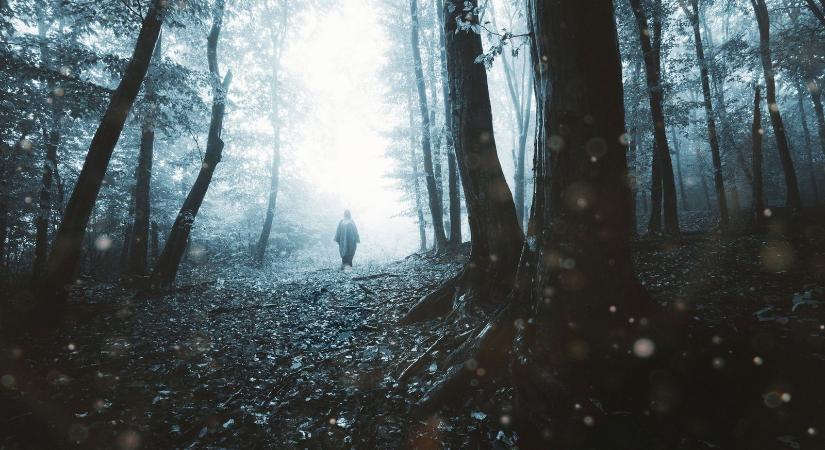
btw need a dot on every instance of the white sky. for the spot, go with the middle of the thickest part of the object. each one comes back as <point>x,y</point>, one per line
<point>337,57</point>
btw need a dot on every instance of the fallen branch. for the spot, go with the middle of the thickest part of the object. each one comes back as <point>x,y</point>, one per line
<point>372,277</point>
<point>418,360</point>
<point>225,309</point>
<point>366,289</point>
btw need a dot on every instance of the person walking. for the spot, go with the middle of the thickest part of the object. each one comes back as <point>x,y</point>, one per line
<point>347,238</point>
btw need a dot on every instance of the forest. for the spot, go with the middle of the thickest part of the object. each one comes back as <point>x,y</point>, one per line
<point>323,224</point>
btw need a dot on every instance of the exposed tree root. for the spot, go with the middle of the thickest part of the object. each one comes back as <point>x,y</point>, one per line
<point>437,303</point>
<point>480,359</point>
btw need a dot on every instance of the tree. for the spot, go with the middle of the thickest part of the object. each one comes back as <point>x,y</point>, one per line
<point>62,263</point>
<point>169,261</point>
<point>278,29</point>
<point>806,133</point>
<point>710,118</point>
<point>817,10</point>
<point>794,200</point>
<point>139,245</point>
<point>52,138</point>
<point>816,98</point>
<point>495,233</point>
<point>756,157</point>
<point>452,167</point>
<point>662,165</point>
<point>422,225</point>
<point>574,284</point>
<point>436,205</point>
<point>521,97</point>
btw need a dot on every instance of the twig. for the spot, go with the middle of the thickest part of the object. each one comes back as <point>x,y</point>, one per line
<point>366,289</point>
<point>415,363</point>
<point>372,277</point>
<point>231,397</point>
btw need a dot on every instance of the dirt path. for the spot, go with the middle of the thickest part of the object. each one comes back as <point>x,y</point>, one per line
<point>306,359</point>
<point>312,359</point>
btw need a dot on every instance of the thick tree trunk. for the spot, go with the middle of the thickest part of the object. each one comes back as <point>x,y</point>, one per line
<point>794,201</point>
<point>656,95</point>
<point>495,232</point>
<point>758,195</point>
<point>710,118</point>
<point>809,157</point>
<point>452,167</point>
<point>167,265</point>
<point>63,261</point>
<point>436,209</point>
<point>139,247</point>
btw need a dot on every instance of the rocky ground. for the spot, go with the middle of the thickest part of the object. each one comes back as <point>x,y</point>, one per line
<point>243,358</point>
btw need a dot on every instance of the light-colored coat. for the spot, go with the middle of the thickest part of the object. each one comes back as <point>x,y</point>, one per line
<point>347,238</point>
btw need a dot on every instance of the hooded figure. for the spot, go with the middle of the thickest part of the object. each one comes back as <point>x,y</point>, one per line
<point>347,238</point>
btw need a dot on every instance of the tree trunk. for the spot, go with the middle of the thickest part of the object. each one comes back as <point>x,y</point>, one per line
<point>756,154</point>
<point>633,153</point>
<point>794,200</point>
<point>422,225</point>
<point>263,240</point>
<point>816,10</point>
<point>710,118</point>
<point>803,118</point>
<point>452,167</point>
<point>652,58</point>
<point>277,37</point>
<point>63,261</point>
<point>167,266</point>
<point>52,141</point>
<point>718,89</point>
<point>495,233</point>
<point>434,133</point>
<point>436,209</point>
<point>816,98</point>
<point>155,241</point>
<point>678,152</point>
<point>521,101</point>
<point>654,225</point>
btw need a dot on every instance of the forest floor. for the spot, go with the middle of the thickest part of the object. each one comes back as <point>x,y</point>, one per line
<point>242,358</point>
